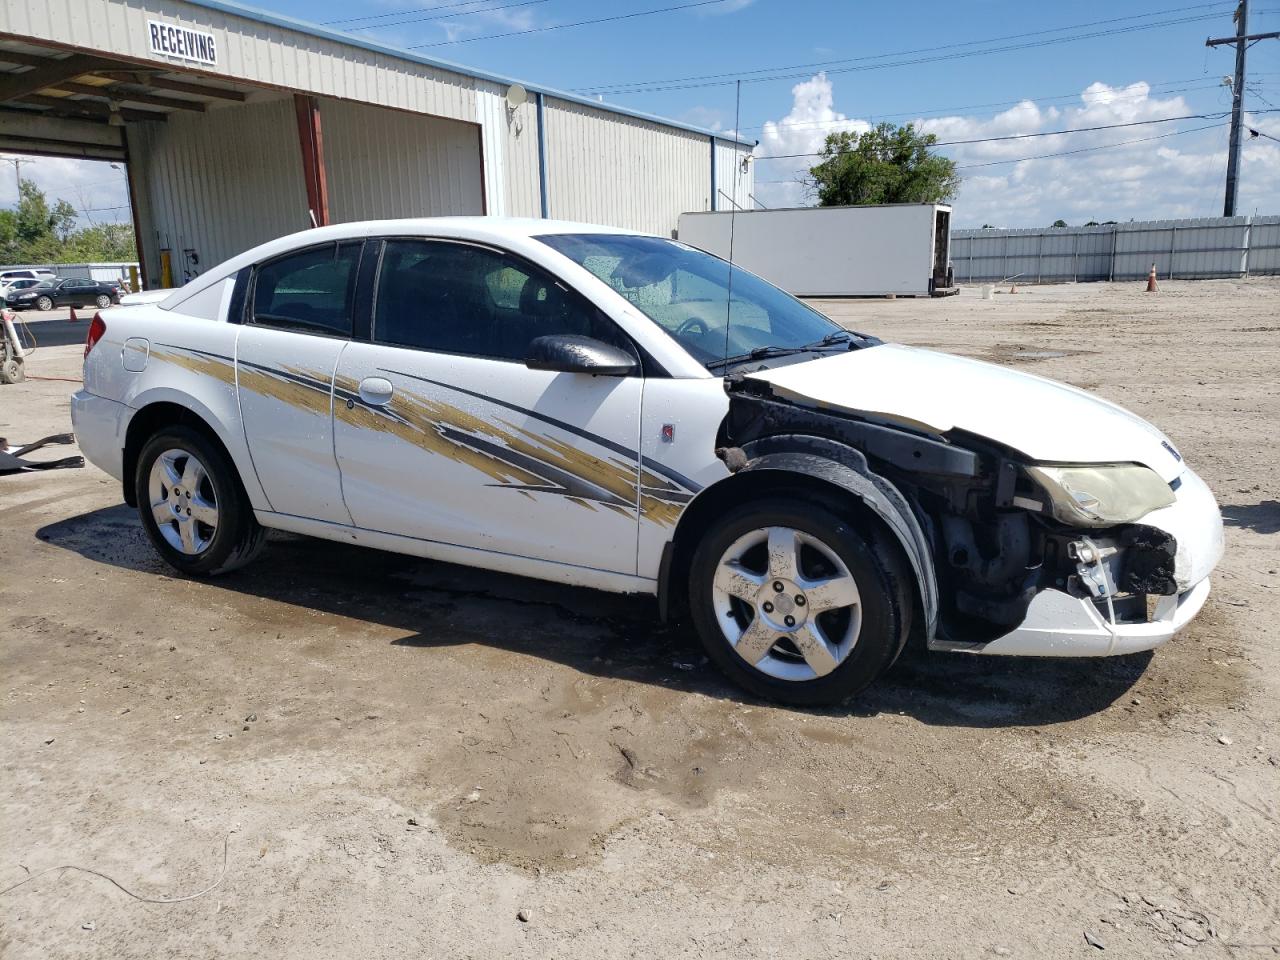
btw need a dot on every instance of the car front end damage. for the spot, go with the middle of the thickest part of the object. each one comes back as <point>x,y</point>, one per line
<point>1010,558</point>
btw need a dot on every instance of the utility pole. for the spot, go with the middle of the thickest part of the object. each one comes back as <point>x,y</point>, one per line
<point>17,170</point>
<point>1242,40</point>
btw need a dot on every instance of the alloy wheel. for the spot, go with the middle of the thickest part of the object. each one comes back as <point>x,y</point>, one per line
<point>183,501</point>
<point>786,603</point>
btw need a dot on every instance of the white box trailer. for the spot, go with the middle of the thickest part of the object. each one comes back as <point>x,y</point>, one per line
<point>872,251</point>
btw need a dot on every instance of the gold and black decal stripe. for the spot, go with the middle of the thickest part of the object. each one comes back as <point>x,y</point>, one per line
<point>513,457</point>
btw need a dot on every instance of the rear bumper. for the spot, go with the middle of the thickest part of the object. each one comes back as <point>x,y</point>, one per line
<point>100,425</point>
<point>1060,625</point>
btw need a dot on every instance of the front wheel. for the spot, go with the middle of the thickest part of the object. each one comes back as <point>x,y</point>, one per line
<point>44,303</point>
<point>192,505</point>
<point>795,605</point>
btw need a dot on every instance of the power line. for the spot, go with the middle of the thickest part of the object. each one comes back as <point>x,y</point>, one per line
<point>1103,146</point>
<point>1241,41</point>
<point>1028,136</point>
<point>576,23</point>
<point>443,16</point>
<point>754,76</point>
<point>945,111</point>
<point>1066,153</point>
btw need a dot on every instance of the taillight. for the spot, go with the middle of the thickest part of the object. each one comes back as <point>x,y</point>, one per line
<point>96,330</point>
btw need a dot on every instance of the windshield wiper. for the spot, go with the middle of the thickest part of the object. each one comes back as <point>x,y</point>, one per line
<point>759,353</point>
<point>834,337</point>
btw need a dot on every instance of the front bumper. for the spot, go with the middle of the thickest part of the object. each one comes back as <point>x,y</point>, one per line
<point>1060,625</point>
<point>100,425</point>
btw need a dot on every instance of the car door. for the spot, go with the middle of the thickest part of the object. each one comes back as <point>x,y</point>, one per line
<point>442,433</point>
<point>298,320</point>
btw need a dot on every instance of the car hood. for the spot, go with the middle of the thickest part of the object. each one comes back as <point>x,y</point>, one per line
<point>1046,421</point>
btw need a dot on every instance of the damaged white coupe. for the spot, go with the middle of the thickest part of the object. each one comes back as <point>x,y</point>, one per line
<point>627,413</point>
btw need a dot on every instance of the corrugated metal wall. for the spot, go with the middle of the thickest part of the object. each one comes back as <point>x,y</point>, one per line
<point>603,166</point>
<point>388,163</point>
<point>621,171</point>
<point>1264,246</point>
<point>510,152</point>
<point>734,183</point>
<point>262,53</point>
<point>218,182</point>
<point>1189,249</point>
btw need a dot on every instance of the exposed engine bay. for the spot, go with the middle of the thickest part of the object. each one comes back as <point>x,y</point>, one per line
<point>976,520</point>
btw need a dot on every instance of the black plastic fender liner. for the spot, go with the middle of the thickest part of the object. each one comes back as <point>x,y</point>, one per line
<point>845,467</point>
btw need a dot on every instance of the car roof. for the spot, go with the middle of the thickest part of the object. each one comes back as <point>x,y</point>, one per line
<point>494,230</point>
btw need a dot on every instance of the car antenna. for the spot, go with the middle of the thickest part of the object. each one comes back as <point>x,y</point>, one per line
<point>733,214</point>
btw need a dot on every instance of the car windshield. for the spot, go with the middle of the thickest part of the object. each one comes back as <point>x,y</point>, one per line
<point>686,292</point>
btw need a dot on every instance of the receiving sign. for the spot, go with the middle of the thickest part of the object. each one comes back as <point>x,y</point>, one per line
<point>184,43</point>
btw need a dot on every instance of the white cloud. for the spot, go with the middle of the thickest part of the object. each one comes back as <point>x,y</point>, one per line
<point>1179,176</point>
<point>801,131</point>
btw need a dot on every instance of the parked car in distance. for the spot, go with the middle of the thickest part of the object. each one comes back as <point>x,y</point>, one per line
<point>18,285</point>
<point>33,273</point>
<point>67,292</point>
<point>590,407</point>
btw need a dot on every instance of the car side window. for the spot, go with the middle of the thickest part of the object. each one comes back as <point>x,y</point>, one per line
<point>311,290</point>
<point>457,298</point>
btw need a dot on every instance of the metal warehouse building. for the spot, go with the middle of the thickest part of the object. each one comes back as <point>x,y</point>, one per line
<point>238,126</point>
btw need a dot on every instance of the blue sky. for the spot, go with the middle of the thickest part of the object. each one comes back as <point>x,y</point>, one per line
<point>1152,69</point>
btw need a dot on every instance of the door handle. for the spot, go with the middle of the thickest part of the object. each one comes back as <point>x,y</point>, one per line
<point>376,391</point>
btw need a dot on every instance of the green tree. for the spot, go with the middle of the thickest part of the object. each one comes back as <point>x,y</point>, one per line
<point>35,219</point>
<point>110,242</point>
<point>887,164</point>
<point>9,244</point>
<point>63,220</point>
<point>1058,223</point>
<point>38,233</point>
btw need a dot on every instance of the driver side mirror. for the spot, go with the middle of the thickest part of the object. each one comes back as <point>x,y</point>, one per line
<point>568,353</point>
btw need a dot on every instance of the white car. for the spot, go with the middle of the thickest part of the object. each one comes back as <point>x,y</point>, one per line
<point>580,405</point>
<point>9,277</point>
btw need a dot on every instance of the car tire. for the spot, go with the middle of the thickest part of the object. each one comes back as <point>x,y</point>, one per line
<point>44,303</point>
<point>193,506</point>
<point>11,371</point>
<point>804,644</point>
<point>103,301</point>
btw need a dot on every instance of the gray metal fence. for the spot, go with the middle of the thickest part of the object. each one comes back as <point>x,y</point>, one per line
<point>1197,249</point>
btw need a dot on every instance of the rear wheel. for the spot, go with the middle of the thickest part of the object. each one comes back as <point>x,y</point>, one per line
<point>795,605</point>
<point>192,505</point>
<point>103,300</point>
<point>44,303</point>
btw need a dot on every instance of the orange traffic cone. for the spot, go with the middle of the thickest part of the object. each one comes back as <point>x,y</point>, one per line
<point>1151,280</point>
<point>72,318</point>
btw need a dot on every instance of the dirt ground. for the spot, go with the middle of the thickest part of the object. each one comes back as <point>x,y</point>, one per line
<point>400,756</point>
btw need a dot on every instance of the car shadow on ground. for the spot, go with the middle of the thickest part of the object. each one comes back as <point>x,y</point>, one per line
<point>1261,517</point>
<point>597,633</point>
